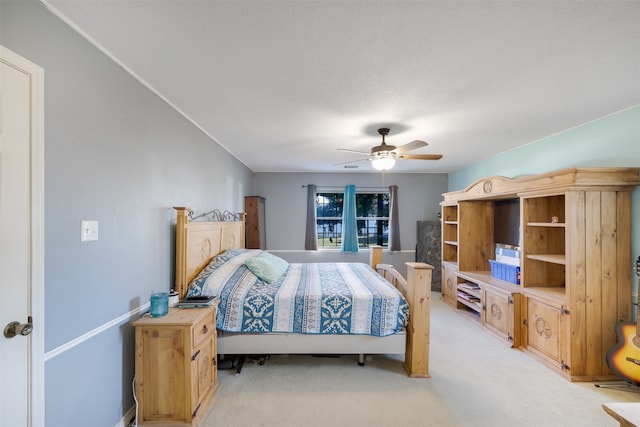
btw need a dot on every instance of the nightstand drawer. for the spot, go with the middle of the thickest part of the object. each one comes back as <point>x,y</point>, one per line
<point>203,329</point>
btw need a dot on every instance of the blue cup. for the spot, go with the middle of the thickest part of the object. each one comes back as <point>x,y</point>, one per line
<point>159,304</point>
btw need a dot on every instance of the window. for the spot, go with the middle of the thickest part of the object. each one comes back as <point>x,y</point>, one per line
<point>372,218</point>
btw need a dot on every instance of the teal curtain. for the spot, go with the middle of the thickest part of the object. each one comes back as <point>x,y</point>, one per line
<point>349,225</point>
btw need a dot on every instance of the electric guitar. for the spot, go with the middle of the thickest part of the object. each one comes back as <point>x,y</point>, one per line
<point>624,358</point>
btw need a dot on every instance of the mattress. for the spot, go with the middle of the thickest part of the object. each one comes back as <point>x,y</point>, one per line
<point>259,292</point>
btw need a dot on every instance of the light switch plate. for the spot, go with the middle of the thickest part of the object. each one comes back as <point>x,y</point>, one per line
<point>88,230</point>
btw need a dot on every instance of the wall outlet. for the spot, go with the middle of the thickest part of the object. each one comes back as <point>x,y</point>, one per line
<point>88,231</point>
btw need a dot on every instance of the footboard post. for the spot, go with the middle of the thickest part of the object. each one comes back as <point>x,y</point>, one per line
<point>375,256</point>
<point>416,359</point>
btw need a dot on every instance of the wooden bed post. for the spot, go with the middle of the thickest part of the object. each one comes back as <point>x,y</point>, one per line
<point>181,251</point>
<point>416,358</point>
<point>375,256</point>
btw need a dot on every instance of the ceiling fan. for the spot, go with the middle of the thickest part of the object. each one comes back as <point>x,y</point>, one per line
<point>383,156</point>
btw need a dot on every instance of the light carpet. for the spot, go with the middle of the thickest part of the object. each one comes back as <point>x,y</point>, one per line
<point>476,380</point>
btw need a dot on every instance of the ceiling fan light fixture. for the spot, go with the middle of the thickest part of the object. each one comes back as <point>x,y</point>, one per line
<point>383,163</point>
<point>383,157</point>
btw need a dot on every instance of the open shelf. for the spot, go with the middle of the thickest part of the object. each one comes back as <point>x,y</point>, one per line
<point>547,224</point>
<point>475,306</point>
<point>469,294</point>
<point>555,259</point>
<point>450,233</point>
<point>485,278</point>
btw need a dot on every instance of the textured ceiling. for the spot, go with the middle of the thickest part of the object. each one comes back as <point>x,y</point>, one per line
<point>283,84</point>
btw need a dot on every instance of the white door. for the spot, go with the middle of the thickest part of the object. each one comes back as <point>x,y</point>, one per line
<point>21,242</point>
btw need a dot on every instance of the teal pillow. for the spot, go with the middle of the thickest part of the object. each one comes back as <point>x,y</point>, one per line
<point>267,267</point>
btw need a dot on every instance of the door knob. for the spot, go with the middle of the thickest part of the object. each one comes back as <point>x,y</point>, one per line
<point>17,328</point>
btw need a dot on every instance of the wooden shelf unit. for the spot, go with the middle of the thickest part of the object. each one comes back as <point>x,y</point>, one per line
<point>450,233</point>
<point>574,233</point>
<point>255,229</point>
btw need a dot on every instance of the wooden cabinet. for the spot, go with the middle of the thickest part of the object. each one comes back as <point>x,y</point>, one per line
<point>255,237</point>
<point>176,370</point>
<point>574,231</point>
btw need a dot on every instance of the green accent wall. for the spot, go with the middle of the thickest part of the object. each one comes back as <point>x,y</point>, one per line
<point>611,141</point>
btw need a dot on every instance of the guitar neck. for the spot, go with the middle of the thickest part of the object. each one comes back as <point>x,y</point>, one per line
<point>637,290</point>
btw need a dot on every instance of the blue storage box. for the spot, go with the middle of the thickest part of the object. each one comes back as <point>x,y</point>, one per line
<point>506,272</point>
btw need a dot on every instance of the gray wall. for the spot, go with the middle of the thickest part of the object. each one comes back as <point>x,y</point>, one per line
<point>116,153</point>
<point>419,196</point>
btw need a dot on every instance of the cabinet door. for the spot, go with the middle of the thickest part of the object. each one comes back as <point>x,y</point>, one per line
<point>449,285</point>
<point>496,312</point>
<point>202,374</point>
<point>161,374</point>
<point>544,330</point>
<point>501,314</point>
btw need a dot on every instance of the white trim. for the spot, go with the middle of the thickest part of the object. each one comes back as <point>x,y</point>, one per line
<point>124,422</point>
<point>36,293</point>
<point>92,333</point>
<point>37,246</point>
<point>305,251</point>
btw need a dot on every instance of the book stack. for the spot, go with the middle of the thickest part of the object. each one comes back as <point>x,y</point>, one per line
<point>508,254</point>
<point>467,286</point>
<point>196,301</point>
<point>466,291</point>
<point>465,296</point>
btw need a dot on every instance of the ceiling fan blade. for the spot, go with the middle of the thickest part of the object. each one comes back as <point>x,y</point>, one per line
<point>352,161</point>
<point>353,151</point>
<point>420,156</point>
<point>413,145</point>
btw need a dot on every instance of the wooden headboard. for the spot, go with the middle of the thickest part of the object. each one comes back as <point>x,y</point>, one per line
<point>199,241</point>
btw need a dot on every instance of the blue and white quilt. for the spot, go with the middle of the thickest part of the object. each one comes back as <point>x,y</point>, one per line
<point>309,298</point>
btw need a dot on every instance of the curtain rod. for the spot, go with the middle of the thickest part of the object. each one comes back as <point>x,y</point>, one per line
<point>337,185</point>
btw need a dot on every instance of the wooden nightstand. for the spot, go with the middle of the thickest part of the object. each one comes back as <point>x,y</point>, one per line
<point>176,368</point>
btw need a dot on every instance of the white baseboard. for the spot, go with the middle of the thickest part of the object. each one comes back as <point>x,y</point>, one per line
<point>124,422</point>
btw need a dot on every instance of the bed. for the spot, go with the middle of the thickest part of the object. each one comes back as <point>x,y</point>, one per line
<point>210,252</point>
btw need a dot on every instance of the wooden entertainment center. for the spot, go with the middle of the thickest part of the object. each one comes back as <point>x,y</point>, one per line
<point>573,228</point>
